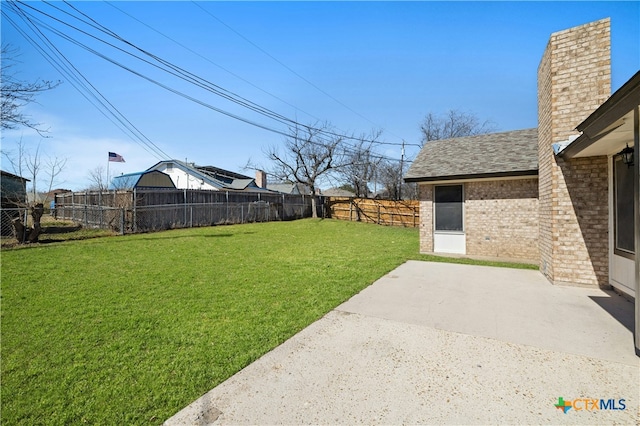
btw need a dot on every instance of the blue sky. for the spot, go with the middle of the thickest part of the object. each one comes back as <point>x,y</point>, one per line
<point>378,65</point>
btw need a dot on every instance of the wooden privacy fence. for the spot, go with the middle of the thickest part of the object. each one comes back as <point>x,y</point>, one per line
<point>383,212</point>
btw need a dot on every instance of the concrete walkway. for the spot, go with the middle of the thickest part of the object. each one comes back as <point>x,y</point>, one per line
<point>434,343</point>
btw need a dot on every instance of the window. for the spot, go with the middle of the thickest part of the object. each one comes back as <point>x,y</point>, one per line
<point>623,208</point>
<point>169,167</point>
<point>448,208</point>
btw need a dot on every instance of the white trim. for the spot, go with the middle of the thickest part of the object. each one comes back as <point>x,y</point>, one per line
<point>452,242</point>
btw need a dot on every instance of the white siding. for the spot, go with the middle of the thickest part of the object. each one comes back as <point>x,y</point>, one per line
<point>182,180</point>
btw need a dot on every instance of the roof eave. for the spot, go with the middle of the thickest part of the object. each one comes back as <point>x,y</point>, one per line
<point>518,173</point>
<point>602,121</point>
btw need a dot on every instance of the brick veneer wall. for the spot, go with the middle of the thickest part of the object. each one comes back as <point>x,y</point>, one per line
<point>425,195</point>
<point>574,78</point>
<point>581,222</point>
<point>501,219</point>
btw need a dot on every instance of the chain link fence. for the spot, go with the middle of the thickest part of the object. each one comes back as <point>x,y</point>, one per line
<point>7,216</point>
<point>136,216</point>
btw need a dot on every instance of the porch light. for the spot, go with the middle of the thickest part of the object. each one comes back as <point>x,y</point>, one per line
<point>627,155</point>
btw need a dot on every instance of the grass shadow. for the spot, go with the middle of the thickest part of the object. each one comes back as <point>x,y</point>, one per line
<point>61,229</point>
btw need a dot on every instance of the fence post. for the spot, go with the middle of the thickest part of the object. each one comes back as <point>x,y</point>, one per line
<point>121,220</point>
<point>184,199</point>
<point>378,214</point>
<point>241,213</point>
<point>191,216</point>
<point>101,209</point>
<point>135,214</point>
<point>24,231</point>
<point>350,209</point>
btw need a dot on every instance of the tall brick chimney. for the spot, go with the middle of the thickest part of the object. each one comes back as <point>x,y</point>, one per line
<point>261,179</point>
<point>574,78</point>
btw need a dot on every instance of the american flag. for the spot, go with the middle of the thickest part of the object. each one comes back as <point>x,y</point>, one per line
<point>116,157</point>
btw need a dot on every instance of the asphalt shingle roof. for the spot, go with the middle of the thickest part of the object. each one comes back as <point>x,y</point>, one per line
<point>511,153</point>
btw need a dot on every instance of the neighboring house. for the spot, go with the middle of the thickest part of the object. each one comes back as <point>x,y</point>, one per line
<point>153,179</point>
<point>338,192</point>
<point>289,188</point>
<point>13,190</point>
<point>189,176</point>
<point>580,206</point>
<point>51,195</point>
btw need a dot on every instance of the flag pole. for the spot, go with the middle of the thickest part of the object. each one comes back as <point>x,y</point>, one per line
<point>108,161</point>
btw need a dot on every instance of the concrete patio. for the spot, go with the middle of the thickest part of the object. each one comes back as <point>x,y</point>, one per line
<point>433,343</point>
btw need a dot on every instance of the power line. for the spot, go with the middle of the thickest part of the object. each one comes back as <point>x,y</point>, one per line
<point>82,84</point>
<point>181,73</point>
<point>290,69</point>
<point>212,62</point>
<point>187,76</point>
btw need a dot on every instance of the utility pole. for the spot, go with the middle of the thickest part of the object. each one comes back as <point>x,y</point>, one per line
<point>401,170</point>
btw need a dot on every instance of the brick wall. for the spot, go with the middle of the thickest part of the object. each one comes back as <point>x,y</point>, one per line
<point>545,154</point>
<point>425,195</point>
<point>574,78</point>
<point>581,222</point>
<point>501,219</point>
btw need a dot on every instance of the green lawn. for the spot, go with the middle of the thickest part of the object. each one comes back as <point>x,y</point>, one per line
<point>129,330</point>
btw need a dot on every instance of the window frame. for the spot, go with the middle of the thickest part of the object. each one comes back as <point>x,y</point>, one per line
<point>462,215</point>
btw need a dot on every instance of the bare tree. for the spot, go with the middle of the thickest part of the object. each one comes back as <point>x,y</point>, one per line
<point>22,160</point>
<point>390,176</point>
<point>16,158</point>
<point>33,163</point>
<point>15,94</point>
<point>98,179</point>
<point>53,167</point>
<point>360,167</point>
<point>309,154</point>
<point>453,124</point>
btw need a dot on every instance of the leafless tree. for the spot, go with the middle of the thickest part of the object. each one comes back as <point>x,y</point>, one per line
<point>53,167</point>
<point>15,94</point>
<point>390,176</point>
<point>22,160</point>
<point>453,124</point>
<point>309,154</point>
<point>98,179</point>
<point>360,167</point>
<point>33,164</point>
<point>16,158</point>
